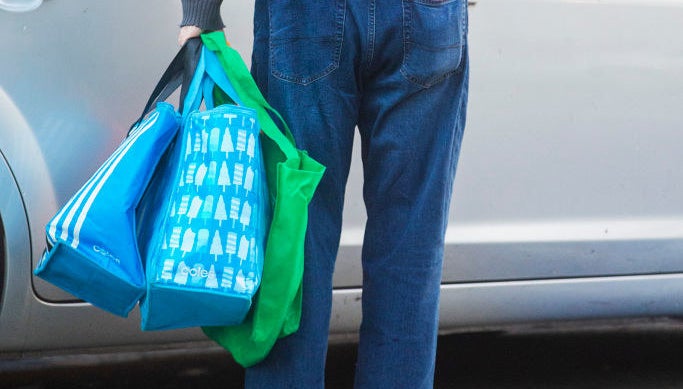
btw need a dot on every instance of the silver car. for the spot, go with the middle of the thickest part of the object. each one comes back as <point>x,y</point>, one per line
<point>568,202</point>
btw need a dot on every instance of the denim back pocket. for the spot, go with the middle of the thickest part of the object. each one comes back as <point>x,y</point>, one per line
<point>305,39</point>
<point>433,38</point>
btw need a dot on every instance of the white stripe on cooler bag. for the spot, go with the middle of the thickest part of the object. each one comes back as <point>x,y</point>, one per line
<point>74,204</point>
<point>98,179</point>
<point>86,208</point>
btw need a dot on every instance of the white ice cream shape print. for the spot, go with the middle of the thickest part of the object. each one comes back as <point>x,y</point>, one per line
<point>224,176</point>
<point>167,271</point>
<point>205,141</point>
<point>221,214</point>
<point>234,210</point>
<point>214,139</point>
<point>207,209</point>
<point>231,245</point>
<point>249,180</point>
<point>191,171</point>
<point>241,141</point>
<point>245,217</point>
<point>194,208</point>
<point>184,204</point>
<point>174,242</point>
<point>216,246</point>
<point>226,280</point>
<point>251,147</point>
<point>188,241</point>
<point>211,279</point>
<point>211,176</point>
<point>199,177</point>
<point>244,249</point>
<point>238,176</point>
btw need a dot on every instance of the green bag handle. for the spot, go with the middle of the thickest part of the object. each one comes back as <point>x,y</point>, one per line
<point>277,308</point>
<point>246,88</point>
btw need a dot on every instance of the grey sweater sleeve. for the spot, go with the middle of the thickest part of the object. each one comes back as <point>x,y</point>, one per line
<point>205,14</point>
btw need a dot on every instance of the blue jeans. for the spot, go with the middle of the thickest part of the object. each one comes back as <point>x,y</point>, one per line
<point>399,71</point>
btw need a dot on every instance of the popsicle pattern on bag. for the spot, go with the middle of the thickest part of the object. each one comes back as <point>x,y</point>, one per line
<point>211,237</point>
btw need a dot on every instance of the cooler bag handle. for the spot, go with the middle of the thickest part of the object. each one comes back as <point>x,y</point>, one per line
<point>189,64</point>
<point>179,72</point>
<point>208,74</point>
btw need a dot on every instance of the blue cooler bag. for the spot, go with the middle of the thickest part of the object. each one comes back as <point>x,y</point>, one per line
<point>93,248</point>
<point>203,222</point>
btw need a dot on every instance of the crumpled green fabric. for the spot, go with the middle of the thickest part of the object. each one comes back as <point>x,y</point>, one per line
<point>292,178</point>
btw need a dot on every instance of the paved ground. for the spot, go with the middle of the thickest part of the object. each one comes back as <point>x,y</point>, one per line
<point>596,359</point>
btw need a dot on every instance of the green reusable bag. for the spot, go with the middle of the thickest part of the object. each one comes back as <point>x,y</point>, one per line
<point>292,178</point>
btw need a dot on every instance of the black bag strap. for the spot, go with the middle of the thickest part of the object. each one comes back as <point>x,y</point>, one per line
<point>178,74</point>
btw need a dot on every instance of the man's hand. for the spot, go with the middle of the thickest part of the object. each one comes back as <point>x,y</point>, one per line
<point>187,32</point>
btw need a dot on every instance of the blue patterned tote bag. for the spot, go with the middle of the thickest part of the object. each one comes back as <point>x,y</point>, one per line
<point>203,222</point>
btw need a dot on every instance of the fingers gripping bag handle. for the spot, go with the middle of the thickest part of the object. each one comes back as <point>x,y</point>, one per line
<point>292,179</point>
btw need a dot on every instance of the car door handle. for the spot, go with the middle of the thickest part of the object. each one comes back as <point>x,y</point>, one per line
<point>20,5</point>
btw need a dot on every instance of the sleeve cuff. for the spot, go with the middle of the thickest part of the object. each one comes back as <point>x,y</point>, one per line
<point>205,14</point>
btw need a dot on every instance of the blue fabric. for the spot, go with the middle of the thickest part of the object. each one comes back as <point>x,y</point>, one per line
<point>88,259</point>
<point>399,71</point>
<point>203,225</point>
<point>208,74</point>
